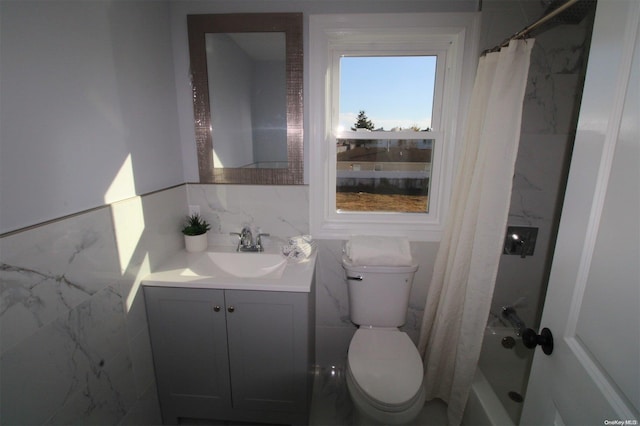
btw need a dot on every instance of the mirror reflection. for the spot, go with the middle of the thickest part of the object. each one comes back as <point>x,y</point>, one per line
<point>246,72</point>
<point>247,92</point>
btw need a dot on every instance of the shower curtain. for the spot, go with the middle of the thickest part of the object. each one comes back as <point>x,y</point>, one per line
<point>461,289</point>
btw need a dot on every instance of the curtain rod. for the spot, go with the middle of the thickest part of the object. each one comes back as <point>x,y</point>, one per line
<point>526,30</point>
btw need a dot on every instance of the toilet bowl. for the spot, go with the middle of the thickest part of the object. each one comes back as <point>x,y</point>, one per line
<point>384,376</point>
<point>384,368</point>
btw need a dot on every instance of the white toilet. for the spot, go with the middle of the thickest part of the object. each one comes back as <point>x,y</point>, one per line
<point>384,369</point>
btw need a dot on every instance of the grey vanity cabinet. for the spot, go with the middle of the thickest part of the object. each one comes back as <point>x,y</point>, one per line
<point>231,354</point>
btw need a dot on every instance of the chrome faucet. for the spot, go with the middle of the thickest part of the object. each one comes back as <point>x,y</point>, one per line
<point>509,313</point>
<point>245,240</point>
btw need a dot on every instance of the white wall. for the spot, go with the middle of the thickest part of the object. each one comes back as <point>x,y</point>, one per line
<point>86,84</point>
<point>88,113</point>
<point>182,8</point>
<point>333,327</point>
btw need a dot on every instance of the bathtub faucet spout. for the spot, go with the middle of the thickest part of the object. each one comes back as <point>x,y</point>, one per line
<point>509,313</point>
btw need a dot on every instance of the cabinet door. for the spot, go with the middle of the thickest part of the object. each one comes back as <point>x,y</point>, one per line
<point>189,341</point>
<point>268,350</point>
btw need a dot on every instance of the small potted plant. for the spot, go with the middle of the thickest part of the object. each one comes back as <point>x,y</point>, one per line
<point>195,233</point>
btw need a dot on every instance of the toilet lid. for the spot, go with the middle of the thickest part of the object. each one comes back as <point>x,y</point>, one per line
<point>386,365</point>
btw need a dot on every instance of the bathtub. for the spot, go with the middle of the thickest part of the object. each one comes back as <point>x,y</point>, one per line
<point>500,378</point>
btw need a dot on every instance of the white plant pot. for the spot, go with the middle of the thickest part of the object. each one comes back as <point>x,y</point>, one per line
<point>196,243</point>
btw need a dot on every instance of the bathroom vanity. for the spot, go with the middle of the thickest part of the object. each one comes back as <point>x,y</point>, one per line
<point>232,348</point>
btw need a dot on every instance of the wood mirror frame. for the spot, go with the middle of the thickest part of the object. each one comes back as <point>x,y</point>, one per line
<point>291,25</point>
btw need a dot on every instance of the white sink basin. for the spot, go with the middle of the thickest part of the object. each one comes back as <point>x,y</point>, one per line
<point>243,265</point>
<point>224,268</point>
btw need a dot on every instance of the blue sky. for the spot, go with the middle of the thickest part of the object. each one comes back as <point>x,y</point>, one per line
<point>394,91</point>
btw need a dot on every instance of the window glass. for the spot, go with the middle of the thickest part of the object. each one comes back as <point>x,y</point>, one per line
<point>383,148</point>
<point>387,175</point>
<point>396,92</point>
<point>387,97</point>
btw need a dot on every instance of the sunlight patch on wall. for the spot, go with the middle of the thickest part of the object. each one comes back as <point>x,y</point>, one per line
<point>128,224</point>
<point>123,185</point>
<point>144,270</point>
<point>129,227</point>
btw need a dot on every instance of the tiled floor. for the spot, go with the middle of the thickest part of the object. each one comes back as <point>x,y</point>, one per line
<point>331,405</point>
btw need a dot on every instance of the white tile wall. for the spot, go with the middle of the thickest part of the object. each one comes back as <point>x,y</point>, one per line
<point>74,342</point>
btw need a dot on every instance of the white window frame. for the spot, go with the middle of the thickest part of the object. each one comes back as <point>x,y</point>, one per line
<point>453,37</point>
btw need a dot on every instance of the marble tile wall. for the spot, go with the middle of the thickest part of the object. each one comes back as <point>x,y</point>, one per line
<point>74,342</point>
<point>550,108</point>
<point>283,211</point>
<point>547,131</point>
<point>333,326</point>
<point>549,117</point>
<point>74,346</point>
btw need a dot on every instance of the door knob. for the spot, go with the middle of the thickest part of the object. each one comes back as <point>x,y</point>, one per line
<point>545,339</point>
<point>231,309</point>
<point>216,308</point>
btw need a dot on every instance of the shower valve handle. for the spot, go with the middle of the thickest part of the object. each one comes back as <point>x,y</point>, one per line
<point>545,339</point>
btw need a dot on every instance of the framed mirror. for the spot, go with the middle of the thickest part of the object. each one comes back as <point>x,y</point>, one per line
<point>246,72</point>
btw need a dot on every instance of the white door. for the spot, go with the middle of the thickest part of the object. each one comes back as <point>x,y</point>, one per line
<point>593,299</point>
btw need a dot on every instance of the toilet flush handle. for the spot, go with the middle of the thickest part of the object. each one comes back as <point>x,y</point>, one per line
<point>358,278</point>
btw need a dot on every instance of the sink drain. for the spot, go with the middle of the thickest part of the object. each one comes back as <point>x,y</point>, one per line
<point>508,342</point>
<point>515,396</point>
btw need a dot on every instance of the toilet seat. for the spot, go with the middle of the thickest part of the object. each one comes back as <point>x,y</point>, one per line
<point>386,368</point>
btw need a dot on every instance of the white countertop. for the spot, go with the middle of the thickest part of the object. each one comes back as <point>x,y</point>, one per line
<point>179,272</point>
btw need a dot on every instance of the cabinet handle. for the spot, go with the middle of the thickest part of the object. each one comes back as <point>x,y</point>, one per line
<point>216,308</point>
<point>231,309</point>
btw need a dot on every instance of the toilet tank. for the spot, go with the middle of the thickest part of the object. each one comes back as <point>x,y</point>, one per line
<point>378,295</point>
